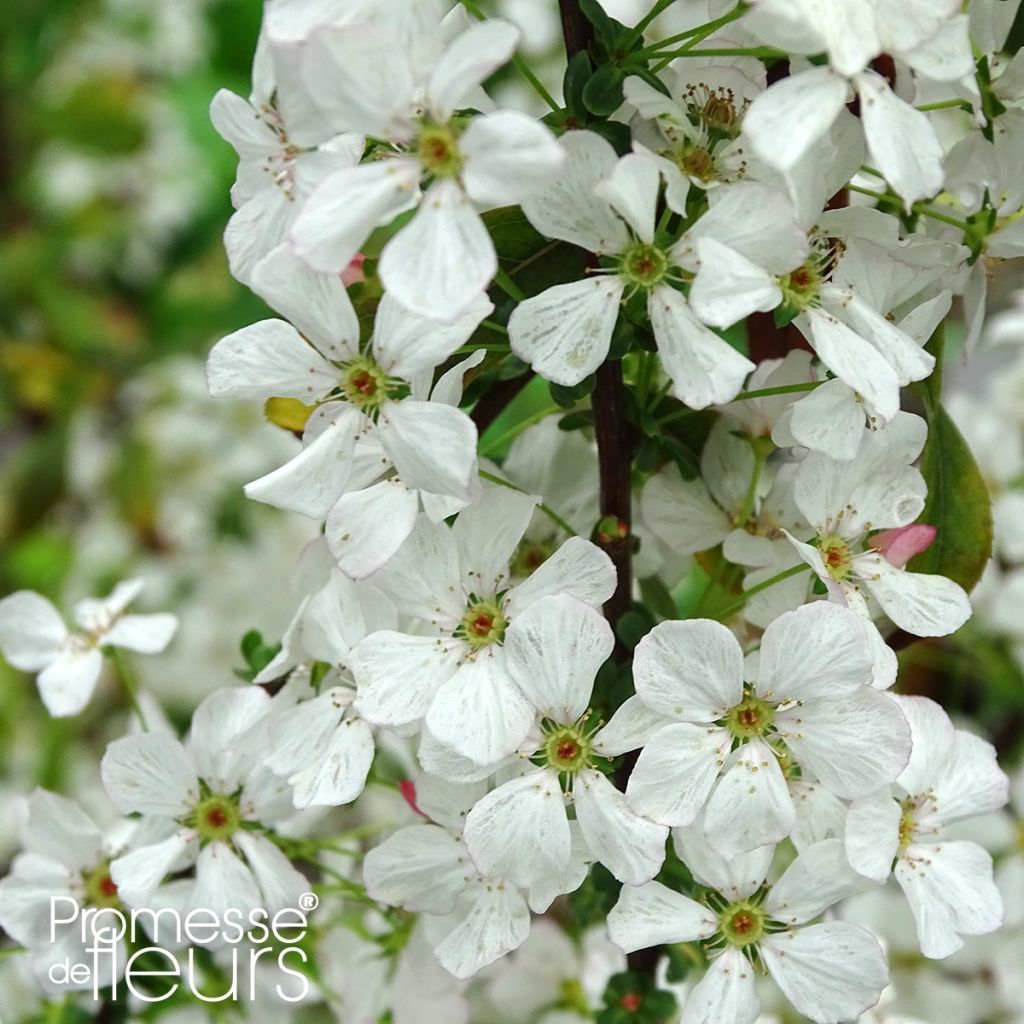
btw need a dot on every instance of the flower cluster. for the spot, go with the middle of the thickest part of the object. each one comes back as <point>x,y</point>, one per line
<point>622,426</point>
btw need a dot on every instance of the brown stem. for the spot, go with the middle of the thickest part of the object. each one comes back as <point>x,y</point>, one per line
<point>494,401</point>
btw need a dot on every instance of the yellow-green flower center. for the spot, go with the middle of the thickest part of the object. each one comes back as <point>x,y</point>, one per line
<point>751,717</point>
<point>836,555</point>
<point>742,923</point>
<point>437,147</point>
<point>366,385</point>
<point>100,889</point>
<point>908,825</point>
<point>567,749</point>
<point>216,818</point>
<point>483,624</point>
<point>800,287</point>
<point>644,266</point>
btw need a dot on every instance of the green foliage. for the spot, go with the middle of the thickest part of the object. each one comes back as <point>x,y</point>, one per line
<point>958,506</point>
<point>633,998</point>
<point>257,654</point>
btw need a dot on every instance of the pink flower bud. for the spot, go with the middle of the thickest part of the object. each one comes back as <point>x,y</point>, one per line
<point>353,273</point>
<point>900,546</point>
<point>408,790</point>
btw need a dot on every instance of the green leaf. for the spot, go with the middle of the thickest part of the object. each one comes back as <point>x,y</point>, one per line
<point>602,95</point>
<point>534,262</point>
<point>567,397</point>
<point>577,74</point>
<point>958,505</point>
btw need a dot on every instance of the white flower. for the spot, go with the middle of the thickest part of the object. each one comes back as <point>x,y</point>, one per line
<point>65,858</point>
<point>374,407</point>
<point>729,743</point>
<point>786,120</point>
<point>830,972</point>
<point>948,883</point>
<point>878,490</point>
<point>33,638</point>
<point>520,830</point>
<point>425,868</point>
<point>457,677</point>
<point>285,149</point>
<point>443,258</point>
<point>207,803</point>
<point>607,206</point>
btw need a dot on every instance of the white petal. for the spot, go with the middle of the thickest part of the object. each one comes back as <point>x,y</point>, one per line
<point>820,877</point>
<point>675,772</point>
<point>150,773</point>
<point>266,360</point>
<point>147,634</point>
<point>339,776</point>
<point>933,738</point>
<point>853,743</point>
<point>819,814</point>
<point>342,211</point>
<point>256,229</point>
<point>406,345</point>
<point>970,781</point>
<point>554,650</point>
<point>223,882</point>
<point>222,739</point>
<point>705,369</point>
<point>681,513</point>
<point>565,332</point>
<point>421,868</point>
<point>509,156</point>
<point>486,535</point>
<point>365,528</point>
<point>32,632</point>
<point>360,77</point>
<point>820,649</point>
<point>470,58</point>
<point>578,568</point>
<point>920,603</point>
<point>568,209</point>
<point>786,120</point>
<point>910,361</point>
<point>950,890</point>
<point>855,362</point>
<point>654,915</point>
<point>317,304</point>
<point>633,725</point>
<point>479,712</point>
<point>689,670</point>
<point>237,122</point>
<point>138,872</point>
<point>727,992</point>
<point>729,287</point>
<point>520,831</point>
<point>281,885</point>
<point>67,683</point>
<point>58,828</point>
<point>398,676</point>
<point>830,972</point>
<point>829,420</point>
<point>901,140</point>
<point>873,834</point>
<point>632,190</point>
<point>734,878</point>
<point>751,806</point>
<point>497,922</point>
<point>630,847</point>
<point>432,445</point>
<point>299,734</point>
<point>438,264</point>
<point>312,482</point>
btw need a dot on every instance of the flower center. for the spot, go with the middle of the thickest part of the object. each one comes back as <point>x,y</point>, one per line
<point>366,385</point>
<point>100,890</point>
<point>697,162</point>
<point>438,151</point>
<point>216,817</point>
<point>483,624</point>
<point>567,748</point>
<point>908,824</point>
<point>800,287</point>
<point>530,556</point>
<point>751,717</point>
<point>742,924</point>
<point>836,555</point>
<point>631,1002</point>
<point>644,265</point>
